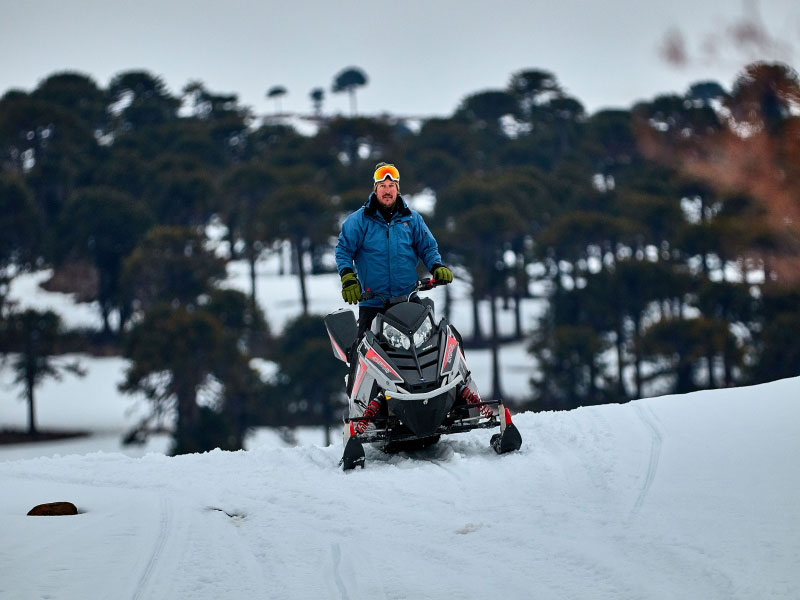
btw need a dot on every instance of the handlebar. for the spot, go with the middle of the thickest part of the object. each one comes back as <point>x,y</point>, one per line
<point>422,285</point>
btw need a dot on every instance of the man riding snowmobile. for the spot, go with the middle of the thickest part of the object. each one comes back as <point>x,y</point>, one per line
<point>384,240</point>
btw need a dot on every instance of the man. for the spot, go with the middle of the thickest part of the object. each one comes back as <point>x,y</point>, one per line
<point>384,240</point>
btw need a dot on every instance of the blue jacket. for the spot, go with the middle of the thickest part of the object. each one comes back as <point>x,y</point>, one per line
<point>385,254</point>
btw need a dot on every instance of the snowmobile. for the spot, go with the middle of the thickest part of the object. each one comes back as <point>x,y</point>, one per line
<point>408,371</point>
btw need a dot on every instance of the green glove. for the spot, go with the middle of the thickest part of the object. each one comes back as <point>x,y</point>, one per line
<point>443,274</point>
<point>351,288</point>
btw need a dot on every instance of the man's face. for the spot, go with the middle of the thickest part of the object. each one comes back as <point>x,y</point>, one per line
<point>386,192</point>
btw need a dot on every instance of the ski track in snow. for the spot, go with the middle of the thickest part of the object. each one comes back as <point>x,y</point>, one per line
<point>648,417</point>
<point>336,551</point>
<point>165,528</point>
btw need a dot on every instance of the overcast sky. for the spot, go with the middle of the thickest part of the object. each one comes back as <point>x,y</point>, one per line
<point>422,57</point>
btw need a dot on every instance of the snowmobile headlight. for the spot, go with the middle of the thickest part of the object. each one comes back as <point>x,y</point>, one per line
<point>395,337</point>
<point>423,334</point>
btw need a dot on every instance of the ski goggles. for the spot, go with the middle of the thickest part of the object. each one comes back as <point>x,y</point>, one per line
<point>385,171</point>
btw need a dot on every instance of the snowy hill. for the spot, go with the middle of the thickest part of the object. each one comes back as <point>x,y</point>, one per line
<point>675,497</point>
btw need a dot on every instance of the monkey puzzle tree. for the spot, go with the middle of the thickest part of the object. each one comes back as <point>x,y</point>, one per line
<point>105,226</point>
<point>276,93</point>
<point>34,337</point>
<point>348,80</point>
<point>246,190</point>
<point>302,214</point>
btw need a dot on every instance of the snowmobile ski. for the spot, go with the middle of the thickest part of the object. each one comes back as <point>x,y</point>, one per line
<point>353,455</point>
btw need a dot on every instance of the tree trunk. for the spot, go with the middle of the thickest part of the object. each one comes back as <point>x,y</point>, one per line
<point>448,302</point>
<point>477,331</point>
<point>104,313</point>
<point>637,359</point>
<point>712,379</point>
<point>353,110</point>
<point>188,417</point>
<point>251,261</point>
<point>29,386</point>
<point>496,387</point>
<point>301,273</point>
<point>620,362</point>
<point>727,359</point>
<point>329,420</point>
<point>124,312</point>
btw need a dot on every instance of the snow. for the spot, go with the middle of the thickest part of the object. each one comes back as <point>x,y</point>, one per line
<point>691,496</point>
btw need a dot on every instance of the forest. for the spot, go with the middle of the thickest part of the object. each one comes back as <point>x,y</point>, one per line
<point>664,238</point>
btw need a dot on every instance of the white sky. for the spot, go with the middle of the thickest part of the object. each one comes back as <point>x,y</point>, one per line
<point>422,57</point>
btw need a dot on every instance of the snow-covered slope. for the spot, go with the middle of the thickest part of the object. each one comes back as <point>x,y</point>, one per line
<point>676,497</point>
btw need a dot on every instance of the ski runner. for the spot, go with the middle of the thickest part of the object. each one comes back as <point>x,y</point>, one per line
<point>380,243</point>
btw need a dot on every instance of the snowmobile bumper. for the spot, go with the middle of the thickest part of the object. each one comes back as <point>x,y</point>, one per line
<point>422,415</point>
<point>389,433</point>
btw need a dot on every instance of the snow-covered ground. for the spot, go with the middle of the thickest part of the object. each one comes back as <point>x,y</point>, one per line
<point>675,497</point>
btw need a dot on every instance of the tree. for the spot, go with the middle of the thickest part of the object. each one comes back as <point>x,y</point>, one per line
<point>300,214</point>
<point>705,92</point>
<point>173,353</point>
<point>78,94</point>
<point>357,143</point>
<point>247,190</point>
<point>765,95</point>
<point>105,226</point>
<point>317,96</point>
<point>51,147</point>
<point>142,100</point>
<point>680,345</point>
<point>20,228</point>
<point>531,88</point>
<point>348,80</point>
<point>35,337</point>
<point>569,367</point>
<point>491,228</point>
<point>181,190</point>
<point>172,266</point>
<point>309,373</point>
<point>276,93</point>
<point>177,351</point>
<point>488,107</point>
<point>776,343</point>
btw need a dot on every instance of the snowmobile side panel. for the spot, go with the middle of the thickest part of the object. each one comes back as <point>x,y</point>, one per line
<point>342,331</point>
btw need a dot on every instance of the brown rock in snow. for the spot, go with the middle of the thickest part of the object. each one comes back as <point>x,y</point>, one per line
<point>53,509</point>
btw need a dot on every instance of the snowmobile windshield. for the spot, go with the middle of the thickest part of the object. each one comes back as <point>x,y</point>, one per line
<point>406,315</point>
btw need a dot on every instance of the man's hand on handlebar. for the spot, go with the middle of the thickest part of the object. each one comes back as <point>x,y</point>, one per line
<point>442,274</point>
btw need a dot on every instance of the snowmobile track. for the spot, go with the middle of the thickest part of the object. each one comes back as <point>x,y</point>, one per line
<point>336,550</point>
<point>165,527</point>
<point>656,440</point>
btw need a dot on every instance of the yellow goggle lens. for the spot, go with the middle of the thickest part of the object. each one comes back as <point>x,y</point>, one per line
<point>387,171</point>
